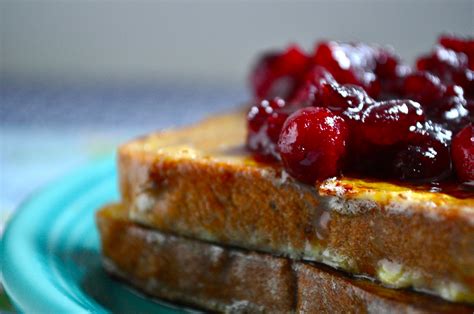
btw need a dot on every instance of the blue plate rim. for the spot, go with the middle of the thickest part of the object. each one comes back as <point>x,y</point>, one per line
<point>49,297</point>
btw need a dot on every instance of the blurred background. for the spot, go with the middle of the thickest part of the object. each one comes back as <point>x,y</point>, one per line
<point>79,77</point>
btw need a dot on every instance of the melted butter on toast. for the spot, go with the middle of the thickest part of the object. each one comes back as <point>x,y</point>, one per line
<point>397,199</point>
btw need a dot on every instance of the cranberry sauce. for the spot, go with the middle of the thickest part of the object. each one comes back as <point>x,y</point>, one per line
<point>357,109</point>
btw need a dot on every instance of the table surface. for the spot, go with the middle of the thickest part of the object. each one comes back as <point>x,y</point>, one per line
<point>47,129</point>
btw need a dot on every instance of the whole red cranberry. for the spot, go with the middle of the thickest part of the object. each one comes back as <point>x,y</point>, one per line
<point>391,72</point>
<point>462,151</point>
<point>465,79</point>
<point>311,88</point>
<point>451,112</point>
<point>429,130</point>
<point>424,162</point>
<point>313,144</point>
<point>423,87</point>
<point>443,62</point>
<point>278,73</point>
<point>425,155</point>
<point>389,122</point>
<point>459,44</point>
<point>350,64</point>
<point>386,65</point>
<point>340,98</point>
<point>450,66</point>
<point>264,123</point>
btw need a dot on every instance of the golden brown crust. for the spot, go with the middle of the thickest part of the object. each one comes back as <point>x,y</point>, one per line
<point>183,270</point>
<point>225,279</point>
<point>199,182</point>
<point>323,290</point>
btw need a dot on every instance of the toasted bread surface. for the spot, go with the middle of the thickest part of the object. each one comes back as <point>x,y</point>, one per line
<point>193,272</point>
<point>217,278</point>
<point>200,182</point>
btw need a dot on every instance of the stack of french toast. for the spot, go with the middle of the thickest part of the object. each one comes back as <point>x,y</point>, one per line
<point>204,220</point>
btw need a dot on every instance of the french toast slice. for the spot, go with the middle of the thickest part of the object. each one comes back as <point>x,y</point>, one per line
<point>223,279</point>
<point>200,182</point>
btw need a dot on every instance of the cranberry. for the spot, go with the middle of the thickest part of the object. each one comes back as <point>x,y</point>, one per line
<point>392,88</point>
<point>442,62</point>
<point>423,87</point>
<point>387,65</point>
<point>465,44</point>
<point>470,108</point>
<point>313,144</point>
<point>350,64</point>
<point>278,74</point>
<point>265,121</point>
<point>311,89</point>
<point>422,132</point>
<point>426,162</point>
<point>386,137</point>
<point>454,90</point>
<point>465,79</point>
<point>451,112</point>
<point>318,75</point>
<point>340,98</point>
<point>426,155</point>
<point>321,90</point>
<point>449,66</point>
<point>390,72</point>
<point>462,151</point>
<point>458,44</point>
<point>389,122</point>
<point>373,87</point>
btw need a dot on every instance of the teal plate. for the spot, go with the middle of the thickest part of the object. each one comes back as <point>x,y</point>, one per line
<point>51,253</point>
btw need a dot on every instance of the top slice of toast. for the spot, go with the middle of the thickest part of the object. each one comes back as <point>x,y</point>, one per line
<point>200,182</point>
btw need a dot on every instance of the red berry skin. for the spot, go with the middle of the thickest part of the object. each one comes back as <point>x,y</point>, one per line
<point>462,152</point>
<point>459,44</point>
<point>470,108</point>
<point>451,112</point>
<point>423,87</point>
<point>387,65</point>
<point>401,139</point>
<point>427,131</point>
<point>442,62</point>
<point>277,74</point>
<point>424,156</point>
<point>390,72</point>
<point>424,162</point>
<point>264,123</point>
<point>350,64</point>
<point>462,44</point>
<point>347,99</point>
<point>465,79</point>
<point>311,88</point>
<point>450,66</point>
<point>312,144</point>
<point>389,122</point>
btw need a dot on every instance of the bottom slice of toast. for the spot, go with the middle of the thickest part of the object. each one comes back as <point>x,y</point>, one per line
<point>224,279</point>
